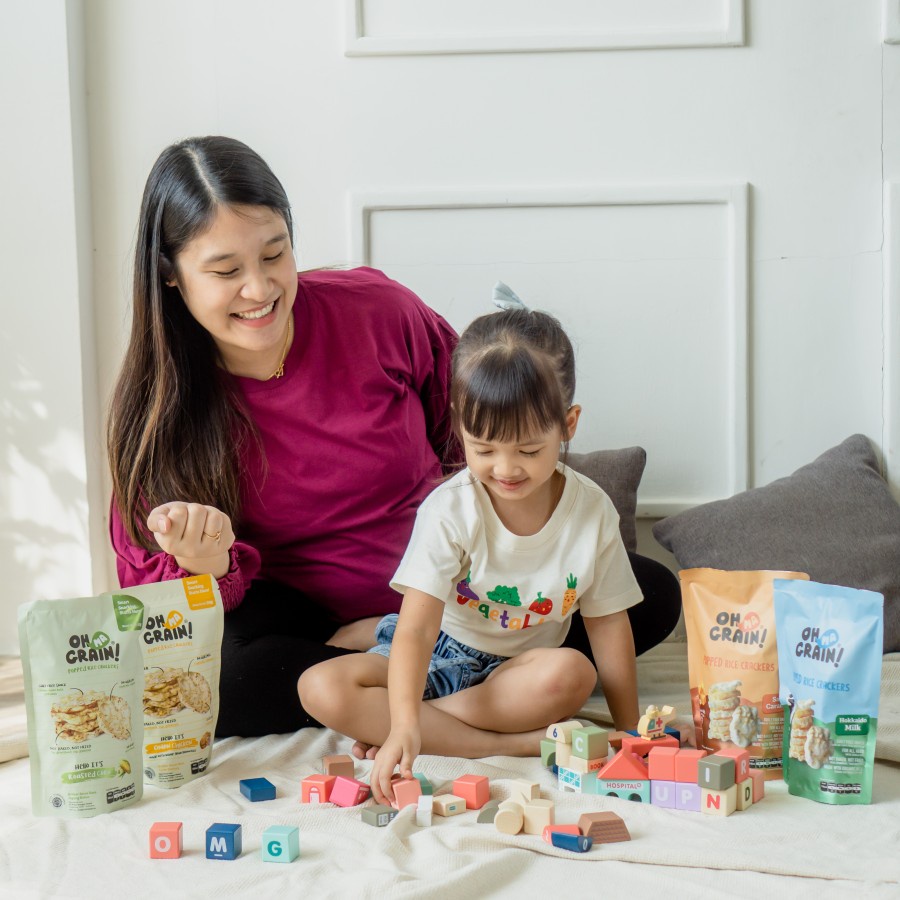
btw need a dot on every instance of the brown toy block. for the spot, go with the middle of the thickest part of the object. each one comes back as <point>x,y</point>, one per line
<point>559,829</point>
<point>615,738</point>
<point>474,789</point>
<point>590,742</point>
<point>718,803</point>
<point>583,766</point>
<point>642,746</point>
<point>661,763</point>
<point>537,815</point>
<point>339,765</point>
<point>510,817</point>
<point>758,777</point>
<point>316,788</point>
<point>406,792</point>
<point>741,761</point>
<point>165,840</point>
<point>744,794</point>
<point>523,791</point>
<point>686,764</point>
<point>603,827</point>
<point>562,731</point>
<point>716,772</point>
<point>449,805</point>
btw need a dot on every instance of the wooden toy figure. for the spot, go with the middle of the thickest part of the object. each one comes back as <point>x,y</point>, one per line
<point>653,723</point>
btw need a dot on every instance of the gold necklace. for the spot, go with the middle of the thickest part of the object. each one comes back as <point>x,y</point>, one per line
<point>284,351</point>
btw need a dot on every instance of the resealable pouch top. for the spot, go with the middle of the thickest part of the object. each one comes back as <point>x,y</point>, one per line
<point>733,662</point>
<point>829,651</point>
<point>83,671</point>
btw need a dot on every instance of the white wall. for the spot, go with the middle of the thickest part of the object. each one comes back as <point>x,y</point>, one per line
<point>708,219</point>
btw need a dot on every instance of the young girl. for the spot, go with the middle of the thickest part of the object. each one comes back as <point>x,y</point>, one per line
<point>500,557</point>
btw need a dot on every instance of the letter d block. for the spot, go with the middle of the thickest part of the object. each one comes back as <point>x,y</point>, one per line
<point>590,742</point>
<point>280,844</point>
<point>744,794</point>
<point>165,840</point>
<point>223,841</point>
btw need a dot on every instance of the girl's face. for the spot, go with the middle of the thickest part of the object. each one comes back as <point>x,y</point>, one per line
<point>239,281</point>
<point>518,471</point>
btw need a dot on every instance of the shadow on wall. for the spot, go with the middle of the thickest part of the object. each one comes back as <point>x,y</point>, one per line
<point>44,542</point>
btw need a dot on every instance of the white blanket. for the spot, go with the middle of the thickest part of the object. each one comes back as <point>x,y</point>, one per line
<point>786,844</point>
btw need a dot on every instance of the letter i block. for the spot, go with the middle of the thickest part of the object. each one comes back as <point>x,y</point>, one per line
<point>165,840</point>
<point>687,796</point>
<point>716,773</point>
<point>316,788</point>
<point>590,742</point>
<point>686,761</point>
<point>348,792</point>
<point>474,789</point>
<point>280,844</point>
<point>223,841</point>
<point>744,794</point>
<point>718,803</point>
<point>741,762</point>
<point>663,793</point>
<point>661,763</point>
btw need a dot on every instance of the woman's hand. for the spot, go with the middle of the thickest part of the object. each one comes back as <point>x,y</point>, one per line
<point>199,537</point>
<point>401,748</point>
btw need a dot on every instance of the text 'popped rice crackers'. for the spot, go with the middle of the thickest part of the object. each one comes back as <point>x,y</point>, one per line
<point>829,653</point>
<point>182,647</point>
<point>733,662</point>
<point>83,670</point>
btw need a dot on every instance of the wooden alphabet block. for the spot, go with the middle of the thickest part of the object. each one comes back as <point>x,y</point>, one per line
<point>348,791</point>
<point>687,796</point>
<point>474,789</point>
<point>316,788</point>
<point>758,777</point>
<point>716,772</point>
<point>406,792</point>
<point>662,793</point>
<point>718,803</point>
<point>590,742</point>
<point>223,841</point>
<point>165,840</point>
<point>280,844</point>
<point>741,761</point>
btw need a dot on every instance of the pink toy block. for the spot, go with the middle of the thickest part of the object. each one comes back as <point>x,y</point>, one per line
<point>348,791</point>
<point>559,829</point>
<point>758,777</point>
<point>165,840</point>
<point>642,746</point>
<point>686,764</point>
<point>624,766</point>
<point>316,788</point>
<point>406,792</point>
<point>687,796</point>
<point>663,793</point>
<point>661,763</point>
<point>741,761</point>
<point>474,789</point>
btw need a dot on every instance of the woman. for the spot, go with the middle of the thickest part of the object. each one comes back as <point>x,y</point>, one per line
<point>277,430</point>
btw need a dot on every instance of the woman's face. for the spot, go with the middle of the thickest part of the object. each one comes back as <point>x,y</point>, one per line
<point>239,281</point>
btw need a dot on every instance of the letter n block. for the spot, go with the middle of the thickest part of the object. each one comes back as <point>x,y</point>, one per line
<point>474,789</point>
<point>165,840</point>
<point>223,841</point>
<point>718,803</point>
<point>280,844</point>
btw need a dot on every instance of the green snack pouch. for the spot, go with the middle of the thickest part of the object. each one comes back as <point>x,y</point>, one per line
<point>829,662</point>
<point>83,679</point>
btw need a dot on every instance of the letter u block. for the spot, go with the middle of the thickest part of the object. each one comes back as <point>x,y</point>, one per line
<point>280,844</point>
<point>165,840</point>
<point>663,793</point>
<point>223,841</point>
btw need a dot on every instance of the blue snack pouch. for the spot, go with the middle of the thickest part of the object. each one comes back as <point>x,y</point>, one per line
<point>829,664</point>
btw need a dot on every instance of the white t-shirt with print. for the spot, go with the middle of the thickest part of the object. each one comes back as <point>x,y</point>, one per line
<point>506,593</point>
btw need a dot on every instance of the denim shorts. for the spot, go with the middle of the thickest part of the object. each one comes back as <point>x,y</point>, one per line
<point>454,666</point>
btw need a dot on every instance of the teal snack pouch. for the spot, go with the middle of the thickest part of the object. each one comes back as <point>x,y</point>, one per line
<point>83,692</point>
<point>829,663</point>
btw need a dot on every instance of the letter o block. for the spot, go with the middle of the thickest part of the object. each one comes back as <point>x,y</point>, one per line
<point>280,844</point>
<point>165,840</point>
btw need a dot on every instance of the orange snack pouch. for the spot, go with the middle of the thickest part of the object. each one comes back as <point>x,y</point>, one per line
<point>733,662</point>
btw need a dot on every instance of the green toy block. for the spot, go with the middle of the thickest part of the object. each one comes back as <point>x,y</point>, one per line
<point>716,773</point>
<point>639,791</point>
<point>590,742</point>
<point>548,752</point>
<point>280,844</point>
<point>427,787</point>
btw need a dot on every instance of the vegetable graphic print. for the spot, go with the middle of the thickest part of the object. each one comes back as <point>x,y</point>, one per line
<point>570,595</point>
<point>464,593</point>
<point>503,594</point>
<point>542,606</point>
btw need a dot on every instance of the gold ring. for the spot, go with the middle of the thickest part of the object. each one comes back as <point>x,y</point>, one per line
<point>216,537</point>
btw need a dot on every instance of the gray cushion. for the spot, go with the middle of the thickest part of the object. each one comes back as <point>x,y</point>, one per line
<point>834,519</point>
<point>619,473</point>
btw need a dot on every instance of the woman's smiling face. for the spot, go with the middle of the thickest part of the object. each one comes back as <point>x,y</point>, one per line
<point>238,279</point>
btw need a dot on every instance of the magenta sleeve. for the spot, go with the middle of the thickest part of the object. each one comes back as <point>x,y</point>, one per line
<point>135,565</point>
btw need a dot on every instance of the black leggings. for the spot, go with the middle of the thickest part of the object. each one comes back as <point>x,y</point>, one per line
<point>276,634</point>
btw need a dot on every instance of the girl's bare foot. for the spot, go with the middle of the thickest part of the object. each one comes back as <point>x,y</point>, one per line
<point>364,751</point>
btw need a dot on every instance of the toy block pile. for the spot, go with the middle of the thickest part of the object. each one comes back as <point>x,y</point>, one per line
<point>651,767</point>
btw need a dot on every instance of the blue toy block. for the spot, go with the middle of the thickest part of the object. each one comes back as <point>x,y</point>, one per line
<point>255,789</point>
<point>579,843</point>
<point>223,841</point>
<point>663,793</point>
<point>687,796</point>
<point>638,791</point>
<point>280,844</point>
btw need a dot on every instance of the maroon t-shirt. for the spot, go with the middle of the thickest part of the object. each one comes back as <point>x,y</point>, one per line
<point>354,434</point>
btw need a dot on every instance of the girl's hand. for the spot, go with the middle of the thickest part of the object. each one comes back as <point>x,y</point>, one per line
<point>199,537</point>
<point>401,748</point>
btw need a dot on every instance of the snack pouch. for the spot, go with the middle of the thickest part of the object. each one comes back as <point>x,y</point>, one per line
<point>182,650</point>
<point>733,662</point>
<point>829,653</point>
<point>83,681</point>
